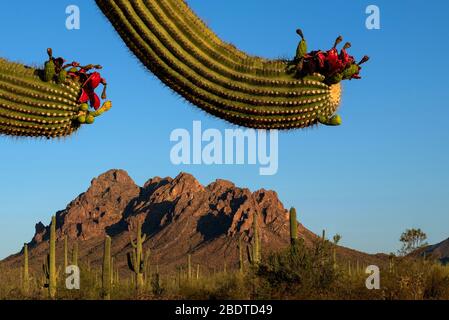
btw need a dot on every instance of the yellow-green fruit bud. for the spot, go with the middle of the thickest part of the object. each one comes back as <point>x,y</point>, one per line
<point>302,49</point>
<point>335,120</point>
<point>84,107</point>
<point>352,70</point>
<point>82,119</point>
<point>62,76</point>
<point>90,119</point>
<point>49,71</point>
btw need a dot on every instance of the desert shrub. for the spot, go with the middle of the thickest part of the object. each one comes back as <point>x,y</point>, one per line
<point>297,272</point>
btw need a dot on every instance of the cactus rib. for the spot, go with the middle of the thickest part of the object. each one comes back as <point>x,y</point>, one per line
<point>173,43</point>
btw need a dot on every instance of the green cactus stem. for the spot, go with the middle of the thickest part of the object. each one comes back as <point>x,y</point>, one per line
<point>241,261</point>
<point>107,269</point>
<point>117,276</point>
<point>112,271</point>
<point>34,104</point>
<point>293,228</point>
<point>137,258</point>
<point>175,45</point>
<point>189,267</point>
<point>254,255</point>
<point>49,266</point>
<point>26,272</point>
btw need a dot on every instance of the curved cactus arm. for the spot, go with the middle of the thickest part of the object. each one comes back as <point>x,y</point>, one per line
<point>174,44</point>
<point>43,102</point>
<point>131,256</point>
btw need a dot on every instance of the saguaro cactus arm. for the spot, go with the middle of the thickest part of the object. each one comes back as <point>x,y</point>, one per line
<point>49,102</point>
<point>174,44</point>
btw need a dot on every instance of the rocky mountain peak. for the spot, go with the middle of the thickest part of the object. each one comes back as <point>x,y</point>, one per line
<point>179,216</point>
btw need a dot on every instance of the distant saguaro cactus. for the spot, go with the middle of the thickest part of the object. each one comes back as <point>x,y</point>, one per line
<point>49,266</point>
<point>254,255</point>
<point>26,272</point>
<point>107,269</point>
<point>137,258</point>
<point>293,227</point>
<point>241,261</point>
<point>189,267</point>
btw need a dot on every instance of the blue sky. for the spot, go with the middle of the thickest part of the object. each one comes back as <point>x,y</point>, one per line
<point>384,170</point>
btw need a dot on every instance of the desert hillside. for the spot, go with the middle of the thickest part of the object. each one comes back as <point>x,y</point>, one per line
<point>179,215</point>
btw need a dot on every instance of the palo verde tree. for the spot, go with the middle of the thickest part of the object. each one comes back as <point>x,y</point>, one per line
<point>411,240</point>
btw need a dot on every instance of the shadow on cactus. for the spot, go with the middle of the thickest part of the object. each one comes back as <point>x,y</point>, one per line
<point>51,102</point>
<point>175,45</point>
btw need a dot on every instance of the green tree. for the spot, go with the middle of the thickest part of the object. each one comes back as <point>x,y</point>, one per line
<point>412,239</point>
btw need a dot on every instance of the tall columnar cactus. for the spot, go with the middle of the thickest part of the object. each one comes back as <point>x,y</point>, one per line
<point>174,44</point>
<point>48,102</point>
<point>189,267</point>
<point>117,277</point>
<point>112,271</point>
<point>254,255</point>
<point>26,272</point>
<point>107,269</point>
<point>49,266</point>
<point>293,227</point>
<point>241,261</point>
<point>137,258</point>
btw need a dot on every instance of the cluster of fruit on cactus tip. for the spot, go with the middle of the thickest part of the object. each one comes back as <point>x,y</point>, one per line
<point>334,66</point>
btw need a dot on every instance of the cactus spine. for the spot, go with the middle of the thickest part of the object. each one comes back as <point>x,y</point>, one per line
<point>33,107</point>
<point>107,269</point>
<point>26,272</point>
<point>49,266</point>
<point>137,258</point>
<point>293,227</point>
<point>174,44</point>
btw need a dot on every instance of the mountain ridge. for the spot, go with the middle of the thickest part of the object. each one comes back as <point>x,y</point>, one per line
<point>180,217</point>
